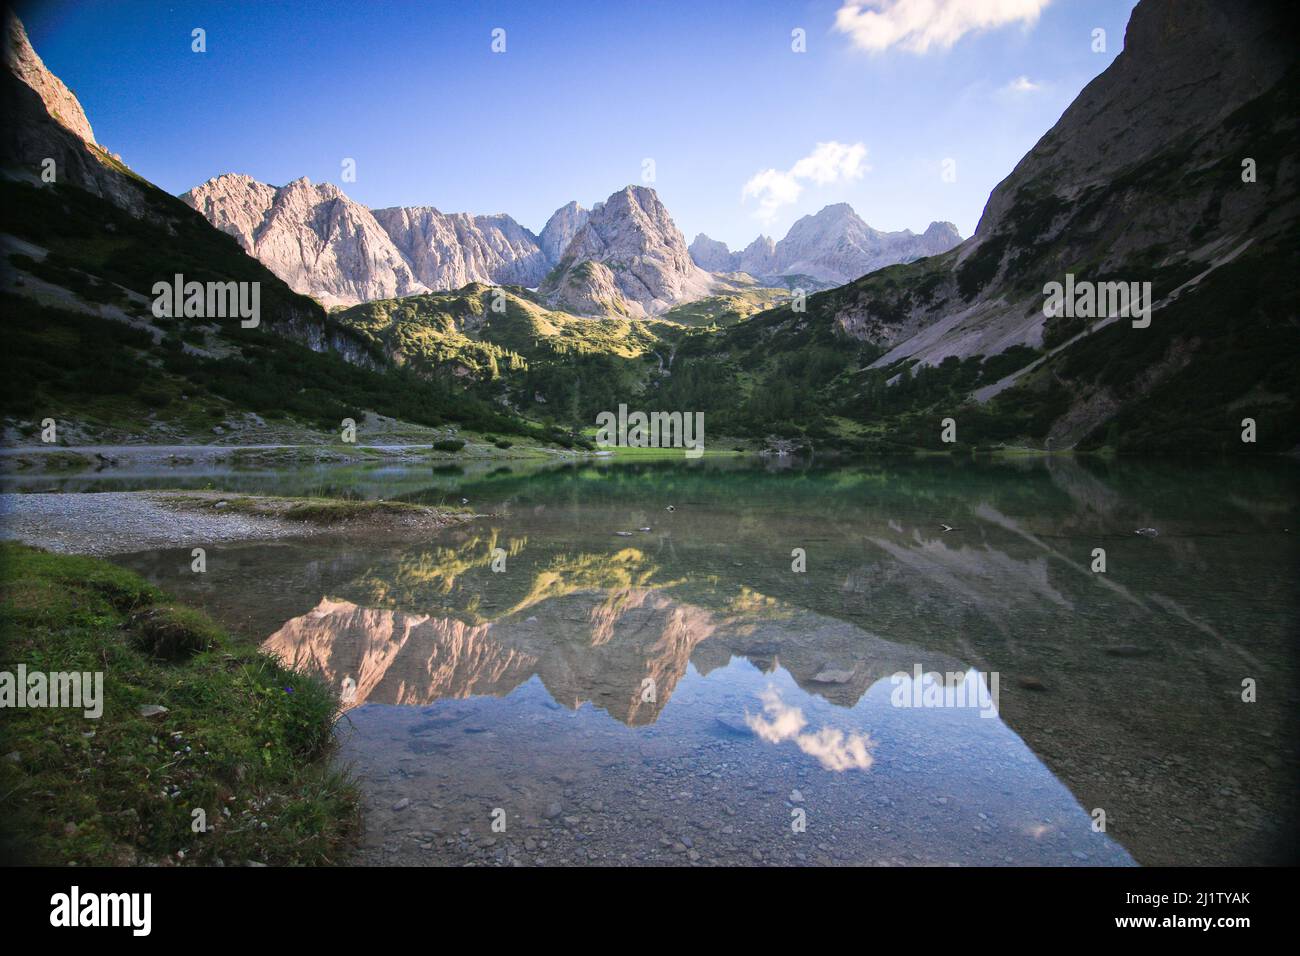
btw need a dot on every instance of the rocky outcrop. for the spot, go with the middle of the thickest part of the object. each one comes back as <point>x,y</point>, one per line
<point>1141,176</point>
<point>44,121</point>
<point>758,258</point>
<point>711,254</point>
<point>512,255</point>
<point>834,246</point>
<point>62,105</point>
<point>588,288</point>
<point>1174,169</point>
<point>631,242</point>
<point>560,229</point>
<point>235,204</point>
<point>1184,67</point>
<point>310,235</point>
<point>176,236</point>
<point>327,246</point>
<point>625,257</point>
<point>447,251</point>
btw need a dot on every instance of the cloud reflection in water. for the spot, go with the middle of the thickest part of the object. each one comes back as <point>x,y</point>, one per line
<point>833,748</point>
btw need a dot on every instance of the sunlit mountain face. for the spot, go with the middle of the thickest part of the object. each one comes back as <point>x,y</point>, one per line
<point>915,695</point>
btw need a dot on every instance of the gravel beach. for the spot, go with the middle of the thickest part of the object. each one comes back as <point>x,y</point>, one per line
<point>120,522</point>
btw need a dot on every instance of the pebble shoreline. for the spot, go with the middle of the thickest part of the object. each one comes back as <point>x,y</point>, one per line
<point>119,522</point>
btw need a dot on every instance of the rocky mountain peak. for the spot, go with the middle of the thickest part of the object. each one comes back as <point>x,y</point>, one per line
<point>711,254</point>
<point>942,231</point>
<point>758,258</point>
<point>1199,60</point>
<point>833,246</point>
<point>316,238</point>
<point>634,238</point>
<point>1141,179</point>
<point>645,265</point>
<point>831,222</point>
<point>632,220</point>
<point>25,64</point>
<point>837,210</point>
<point>561,228</point>
<point>310,235</point>
<point>44,121</point>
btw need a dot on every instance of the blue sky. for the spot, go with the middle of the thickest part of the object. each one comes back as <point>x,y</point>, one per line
<point>584,93</point>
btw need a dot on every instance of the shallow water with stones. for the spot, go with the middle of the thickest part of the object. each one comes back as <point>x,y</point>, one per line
<point>682,695</point>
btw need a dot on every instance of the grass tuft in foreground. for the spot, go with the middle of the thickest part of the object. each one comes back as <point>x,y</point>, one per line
<point>243,739</point>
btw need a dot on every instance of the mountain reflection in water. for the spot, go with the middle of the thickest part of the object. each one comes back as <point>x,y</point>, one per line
<point>619,673</point>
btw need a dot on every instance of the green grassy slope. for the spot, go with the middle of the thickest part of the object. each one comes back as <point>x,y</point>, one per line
<point>503,344</point>
<point>242,739</point>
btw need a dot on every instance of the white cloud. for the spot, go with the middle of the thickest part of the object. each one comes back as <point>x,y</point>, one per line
<point>773,189</point>
<point>830,162</point>
<point>1022,84</point>
<point>832,748</point>
<point>918,25</point>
